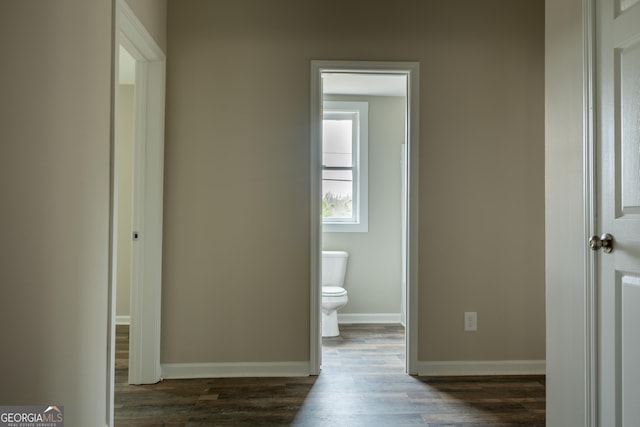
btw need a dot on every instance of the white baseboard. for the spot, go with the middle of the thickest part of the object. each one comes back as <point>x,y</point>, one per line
<point>123,320</point>
<point>234,370</point>
<point>369,317</point>
<point>493,367</point>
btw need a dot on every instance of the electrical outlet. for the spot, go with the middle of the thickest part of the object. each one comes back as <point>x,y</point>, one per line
<point>470,321</point>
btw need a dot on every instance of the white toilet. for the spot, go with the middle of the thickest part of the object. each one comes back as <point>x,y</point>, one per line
<point>334,295</point>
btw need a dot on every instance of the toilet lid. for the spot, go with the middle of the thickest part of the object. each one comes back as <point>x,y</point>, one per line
<point>333,291</point>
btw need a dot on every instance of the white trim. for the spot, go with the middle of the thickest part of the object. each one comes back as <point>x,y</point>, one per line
<point>382,318</point>
<point>234,370</point>
<point>315,191</point>
<point>123,320</point>
<point>492,367</point>
<point>134,36</point>
<point>412,71</point>
<point>113,218</point>
<point>144,348</point>
<point>589,217</point>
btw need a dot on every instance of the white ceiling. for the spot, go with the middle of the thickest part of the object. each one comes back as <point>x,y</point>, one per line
<point>127,75</point>
<point>364,84</point>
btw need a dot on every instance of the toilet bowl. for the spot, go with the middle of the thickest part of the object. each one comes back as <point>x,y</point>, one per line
<point>334,296</point>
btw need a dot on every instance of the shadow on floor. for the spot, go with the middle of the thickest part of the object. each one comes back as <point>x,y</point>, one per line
<point>362,383</point>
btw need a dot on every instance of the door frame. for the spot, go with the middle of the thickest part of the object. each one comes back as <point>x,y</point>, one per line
<point>147,203</point>
<point>147,206</point>
<point>412,71</point>
<point>590,159</point>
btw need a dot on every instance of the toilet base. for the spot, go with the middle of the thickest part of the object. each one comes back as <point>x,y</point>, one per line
<point>330,324</point>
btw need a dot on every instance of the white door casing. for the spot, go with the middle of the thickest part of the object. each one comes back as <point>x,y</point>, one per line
<point>148,177</point>
<point>618,209</point>
<point>144,351</point>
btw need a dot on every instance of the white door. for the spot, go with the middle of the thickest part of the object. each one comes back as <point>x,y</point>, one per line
<point>618,211</point>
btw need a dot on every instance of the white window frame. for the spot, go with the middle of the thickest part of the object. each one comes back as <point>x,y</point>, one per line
<point>360,203</point>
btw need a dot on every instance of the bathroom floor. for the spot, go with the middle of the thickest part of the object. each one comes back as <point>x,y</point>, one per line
<point>362,383</point>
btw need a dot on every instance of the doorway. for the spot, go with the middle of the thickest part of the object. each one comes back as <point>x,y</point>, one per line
<point>146,203</point>
<point>336,84</point>
<point>123,186</point>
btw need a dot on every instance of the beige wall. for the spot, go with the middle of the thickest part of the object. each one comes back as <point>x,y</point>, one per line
<point>236,249</point>
<point>374,273</point>
<point>565,230</point>
<point>153,15</point>
<point>125,186</point>
<point>54,179</point>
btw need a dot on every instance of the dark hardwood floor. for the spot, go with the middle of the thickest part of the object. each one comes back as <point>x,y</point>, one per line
<point>362,383</point>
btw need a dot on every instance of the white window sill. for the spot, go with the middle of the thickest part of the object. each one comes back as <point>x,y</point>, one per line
<point>345,227</point>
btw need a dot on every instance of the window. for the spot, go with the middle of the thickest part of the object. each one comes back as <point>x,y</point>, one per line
<point>344,166</point>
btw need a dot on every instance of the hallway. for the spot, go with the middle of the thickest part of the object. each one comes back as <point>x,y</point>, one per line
<point>362,384</point>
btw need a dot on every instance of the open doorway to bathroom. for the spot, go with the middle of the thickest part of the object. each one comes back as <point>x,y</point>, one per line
<point>364,125</point>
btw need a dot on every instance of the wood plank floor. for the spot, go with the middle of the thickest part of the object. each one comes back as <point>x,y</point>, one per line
<point>362,383</point>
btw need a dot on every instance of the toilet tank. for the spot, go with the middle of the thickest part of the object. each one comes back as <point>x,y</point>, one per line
<point>334,267</point>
